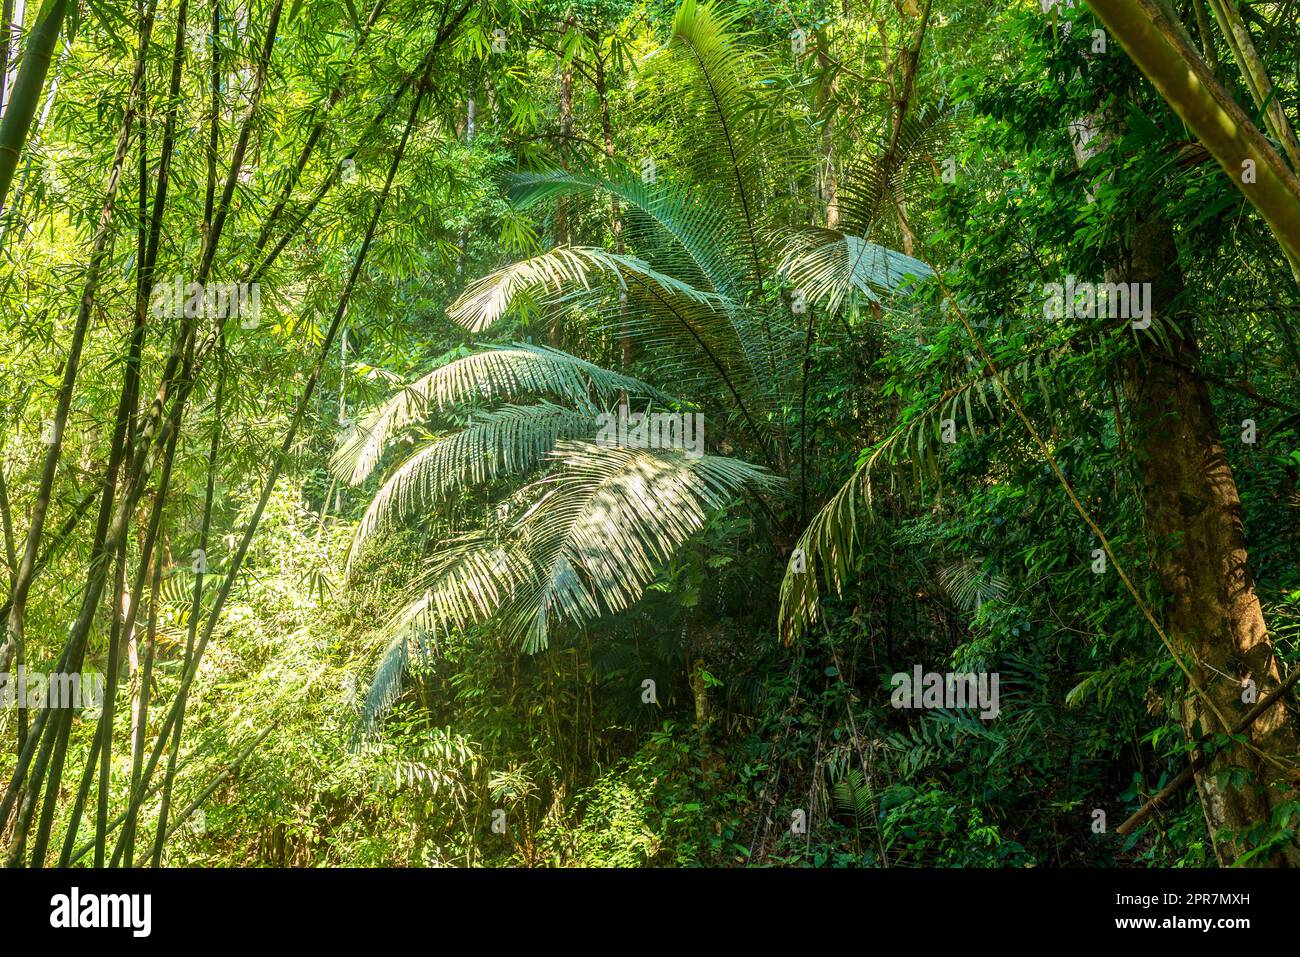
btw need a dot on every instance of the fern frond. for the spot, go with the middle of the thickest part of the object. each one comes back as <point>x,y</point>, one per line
<point>852,794</point>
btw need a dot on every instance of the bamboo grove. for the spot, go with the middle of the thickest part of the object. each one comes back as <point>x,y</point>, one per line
<point>650,432</point>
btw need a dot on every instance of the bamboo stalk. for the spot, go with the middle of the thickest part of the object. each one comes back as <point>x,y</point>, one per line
<point>1161,51</point>
<point>41,505</point>
<point>30,81</point>
<point>90,286</point>
<point>1256,74</point>
<point>192,627</point>
<point>269,484</point>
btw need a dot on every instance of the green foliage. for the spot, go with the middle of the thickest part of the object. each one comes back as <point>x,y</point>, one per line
<point>468,628</point>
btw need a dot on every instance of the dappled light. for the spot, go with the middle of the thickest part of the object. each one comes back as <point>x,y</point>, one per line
<point>643,434</point>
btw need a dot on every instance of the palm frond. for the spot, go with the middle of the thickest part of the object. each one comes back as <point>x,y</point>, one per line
<point>826,547</point>
<point>704,47</point>
<point>698,234</point>
<point>473,577</point>
<point>559,272</point>
<point>827,265</point>
<point>499,372</point>
<point>509,440</point>
<point>607,519</point>
<point>710,348</point>
<point>875,189</point>
<point>386,684</point>
<point>970,586</point>
<point>469,580</point>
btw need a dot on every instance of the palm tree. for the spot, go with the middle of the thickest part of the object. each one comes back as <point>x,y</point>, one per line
<point>584,538</point>
<point>705,297</point>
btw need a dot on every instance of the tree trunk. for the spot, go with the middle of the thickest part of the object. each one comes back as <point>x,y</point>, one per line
<point>827,98</point>
<point>615,213</point>
<point>1194,516</point>
<point>700,692</point>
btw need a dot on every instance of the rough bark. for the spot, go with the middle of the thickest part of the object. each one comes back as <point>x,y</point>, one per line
<point>1191,506</point>
<point>1194,516</point>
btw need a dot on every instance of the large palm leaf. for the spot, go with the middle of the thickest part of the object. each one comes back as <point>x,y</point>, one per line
<point>710,79</point>
<point>607,518</point>
<point>683,233</point>
<point>827,265</point>
<point>498,372</point>
<point>600,527</point>
<point>559,272</point>
<point>504,441</point>
<point>703,341</point>
<point>901,174</point>
<point>825,549</point>
<point>467,582</point>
